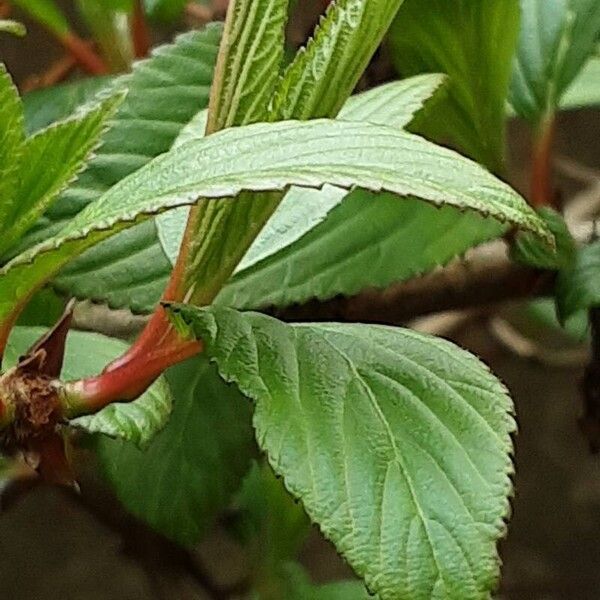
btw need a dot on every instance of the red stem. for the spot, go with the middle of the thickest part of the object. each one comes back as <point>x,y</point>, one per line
<point>542,191</point>
<point>140,33</point>
<point>84,54</point>
<point>126,381</point>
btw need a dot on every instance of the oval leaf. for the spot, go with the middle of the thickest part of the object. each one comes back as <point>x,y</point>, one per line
<point>397,443</point>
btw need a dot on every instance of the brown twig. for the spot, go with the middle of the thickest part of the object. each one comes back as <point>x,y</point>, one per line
<point>5,9</point>
<point>488,277</point>
<point>140,32</point>
<point>84,54</point>
<point>57,72</point>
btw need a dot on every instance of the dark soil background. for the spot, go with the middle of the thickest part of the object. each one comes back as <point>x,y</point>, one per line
<point>53,546</point>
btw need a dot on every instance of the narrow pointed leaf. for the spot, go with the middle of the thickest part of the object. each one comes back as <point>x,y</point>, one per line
<point>86,355</point>
<point>193,466</point>
<point>270,157</point>
<point>50,161</point>
<point>393,104</point>
<point>369,240</point>
<point>473,42</point>
<point>397,443</point>
<point>12,136</point>
<point>317,83</point>
<point>556,40</point>
<point>249,62</point>
<point>323,75</point>
<point>164,93</point>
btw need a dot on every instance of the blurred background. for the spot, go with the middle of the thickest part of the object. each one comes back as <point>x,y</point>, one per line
<point>55,545</point>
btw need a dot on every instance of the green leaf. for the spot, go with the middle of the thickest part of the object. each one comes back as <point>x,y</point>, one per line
<point>45,308</point>
<point>87,354</point>
<point>369,240</point>
<point>47,105</point>
<point>317,83</point>
<point>165,92</point>
<point>556,40</point>
<point>578,287</point>
<point>12,27</point>
<point>323,75</point>
<point>270,157</point>
<point>393,104</point>
<point>542,312</point>
<point>47,13</point>
<point>193,466</point>
<point>248,64</point>
<point>397,443</point>
<point>527,249</point>
<point>50,161</point>
<point>290,581</point>
<point>104,21</point>
<point>473,42</point>
<point>341,590</point>
<point>585,90</point>
<point>12,136</point>
<point>270,524</point>
<point>164,10</point>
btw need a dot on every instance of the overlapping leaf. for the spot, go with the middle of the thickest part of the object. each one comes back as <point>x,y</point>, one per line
<point>527,249</point>
<point>369,240</point>
<point>249,62</point>
<point>556,40</point>
<point>397,443</point>
<point>393,104</point>
<point>323,75</point>
<point>164,93</point>
<point>48,161</point>
<point>473,42</point>
<point>585,90</point>
<point>87,354</point>
<point>192,467</point>
<point>270,157</point>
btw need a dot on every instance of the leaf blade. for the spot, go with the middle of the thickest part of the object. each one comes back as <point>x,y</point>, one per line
<point>368,426</point>
<point>190,470</point>
<point>12,136</point>
<point>556,39</point>
<point>308,154</point>
<point>473,43</point>
<point>50,161</point>
<point>578,287</point>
